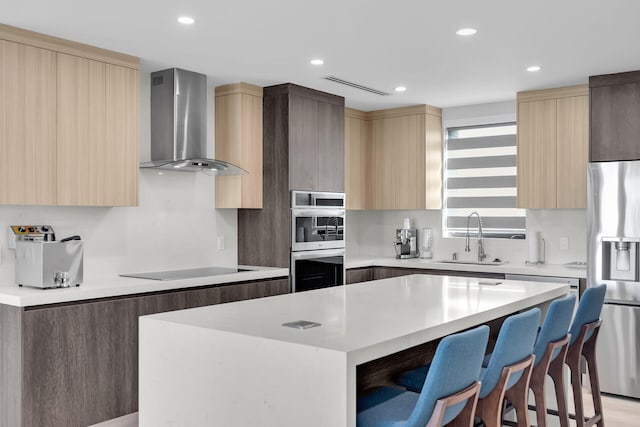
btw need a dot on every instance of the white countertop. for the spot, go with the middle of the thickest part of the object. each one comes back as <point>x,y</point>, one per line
<point>555,270</point>
<point>236,365</point>
<point>117,286</point>
<point>357,318</point>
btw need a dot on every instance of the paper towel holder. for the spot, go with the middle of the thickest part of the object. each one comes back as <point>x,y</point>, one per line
<point>544,253</point>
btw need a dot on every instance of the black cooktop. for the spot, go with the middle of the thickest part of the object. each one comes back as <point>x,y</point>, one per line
<point>185,274</point>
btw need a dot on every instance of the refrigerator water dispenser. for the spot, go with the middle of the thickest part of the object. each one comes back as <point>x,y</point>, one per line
<point>620,259</point>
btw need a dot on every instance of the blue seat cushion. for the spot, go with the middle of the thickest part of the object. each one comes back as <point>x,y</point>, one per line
<point>377,397</point>
<point>392,407</point>
<point>413,380</point>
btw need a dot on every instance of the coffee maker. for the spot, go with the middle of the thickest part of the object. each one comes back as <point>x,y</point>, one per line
<point>406,243</point>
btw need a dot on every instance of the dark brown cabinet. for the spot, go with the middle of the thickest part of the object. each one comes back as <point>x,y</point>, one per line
<point>387,272</point>
<point>614,117</point>
<point>76,364</point>
<point>316,141</point>
<point>303,149</point>
<point>357,275</point>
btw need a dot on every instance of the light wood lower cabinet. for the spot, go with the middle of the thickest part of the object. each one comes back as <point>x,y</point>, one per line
<point>553,144</point>
<point>76,364</point>
<point>393,158</point>
<point>27,125</point>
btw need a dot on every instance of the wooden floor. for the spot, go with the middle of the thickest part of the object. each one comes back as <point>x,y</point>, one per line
<point>618,412</point>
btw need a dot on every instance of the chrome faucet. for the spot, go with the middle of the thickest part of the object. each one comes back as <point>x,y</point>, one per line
<point>481,254</point>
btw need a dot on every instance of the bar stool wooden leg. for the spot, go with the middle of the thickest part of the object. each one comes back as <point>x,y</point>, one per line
<point>585,347</point>
<point>576,385</point>
<point>556,373</point>
<point>589,352</point>
<point>518,396</point>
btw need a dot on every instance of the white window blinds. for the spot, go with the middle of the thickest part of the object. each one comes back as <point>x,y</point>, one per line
<point>480,175</point>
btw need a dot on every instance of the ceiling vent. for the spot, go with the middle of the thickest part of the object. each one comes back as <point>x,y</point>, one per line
<point>356,85</point>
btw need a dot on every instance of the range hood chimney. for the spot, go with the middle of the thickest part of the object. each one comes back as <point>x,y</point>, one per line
<point>179,124</point>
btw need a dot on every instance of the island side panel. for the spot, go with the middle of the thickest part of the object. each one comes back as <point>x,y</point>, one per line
<point>192,376</point>
<point>10,366</point>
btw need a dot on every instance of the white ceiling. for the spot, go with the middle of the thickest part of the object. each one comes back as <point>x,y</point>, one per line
<point>377,43</point>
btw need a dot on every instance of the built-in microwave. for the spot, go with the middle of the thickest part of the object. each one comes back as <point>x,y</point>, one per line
<point>317,220</point>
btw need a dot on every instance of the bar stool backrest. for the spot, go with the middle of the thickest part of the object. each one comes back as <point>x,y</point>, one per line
<point>556,325</point>
<point>515,342</point>
<point>589,310</point>
<point>455,366</point>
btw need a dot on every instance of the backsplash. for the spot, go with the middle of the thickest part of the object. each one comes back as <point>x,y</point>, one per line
<point>174,227</point>
<point>371,234</point>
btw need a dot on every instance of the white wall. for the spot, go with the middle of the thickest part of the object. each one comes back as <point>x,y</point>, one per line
<point>174,226</point>
<point>371,233</point>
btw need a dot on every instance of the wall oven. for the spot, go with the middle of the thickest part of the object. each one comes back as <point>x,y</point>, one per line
<point>317,269</point>
<point>317,240</point>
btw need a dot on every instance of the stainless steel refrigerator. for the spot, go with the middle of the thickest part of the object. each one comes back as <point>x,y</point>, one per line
<point>613,247</point>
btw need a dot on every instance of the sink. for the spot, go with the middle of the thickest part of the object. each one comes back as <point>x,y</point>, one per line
<point>459,261</point>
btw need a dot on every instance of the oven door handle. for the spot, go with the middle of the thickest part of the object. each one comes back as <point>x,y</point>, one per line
<point>319,212</point>
<point>317,254</point>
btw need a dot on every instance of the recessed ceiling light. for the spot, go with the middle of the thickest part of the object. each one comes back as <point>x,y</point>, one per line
<point>534,68</point>
<point>187,20</point>
<point>466,31</point>
<point>317,61</point>
<point>400,89</point>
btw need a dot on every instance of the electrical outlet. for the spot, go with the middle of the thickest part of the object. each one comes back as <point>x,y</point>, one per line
<point>564,243</point>
<point>220,243</point>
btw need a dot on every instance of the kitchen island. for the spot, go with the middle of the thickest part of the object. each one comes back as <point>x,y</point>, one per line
<point>237,365</point>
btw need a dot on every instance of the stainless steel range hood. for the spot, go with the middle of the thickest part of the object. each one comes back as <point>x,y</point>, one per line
<point>179,124</point>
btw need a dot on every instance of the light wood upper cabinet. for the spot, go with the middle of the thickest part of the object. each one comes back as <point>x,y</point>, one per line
<point>572,151</point>
<point>81,129</point>
<point>238,116</point>
<point>69,118</point>
<point>97,132</point>
<point>27,125</point>
<point>553,148</point>
<point>357,158</point>
<point>404,154</point>
<point>121,152</point>
<point>537,154</point>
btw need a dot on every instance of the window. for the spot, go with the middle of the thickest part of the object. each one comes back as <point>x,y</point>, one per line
<point>480,175</point>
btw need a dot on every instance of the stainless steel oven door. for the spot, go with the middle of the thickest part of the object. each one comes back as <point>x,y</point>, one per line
<point>313,229</point>
<point>317,269</point>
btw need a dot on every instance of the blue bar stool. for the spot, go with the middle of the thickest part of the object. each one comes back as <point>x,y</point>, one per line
<point>449,395</point>
<point>584,336</point>
<point>550,351</point>
<point>507,373</point>
<point>509,369</point>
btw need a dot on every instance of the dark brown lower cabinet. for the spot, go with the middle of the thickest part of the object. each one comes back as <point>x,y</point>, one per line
<point>387,272</point>
<point>357,275</point>
<point>76,364</point>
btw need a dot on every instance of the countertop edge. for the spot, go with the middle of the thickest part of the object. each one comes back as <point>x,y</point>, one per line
<point>116,286</point>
